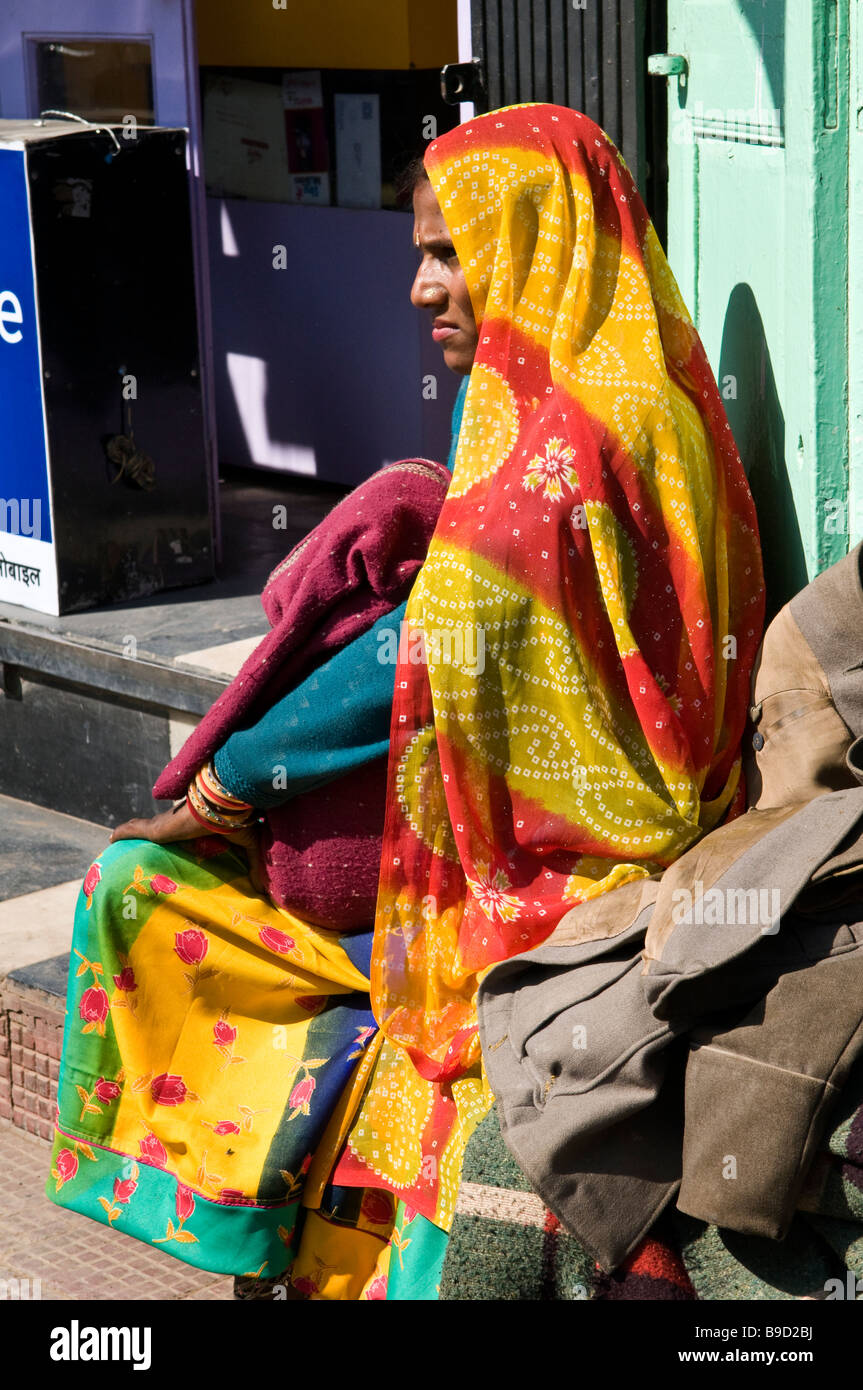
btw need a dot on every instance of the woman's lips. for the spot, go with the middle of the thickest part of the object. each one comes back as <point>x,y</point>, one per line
<point>441,334</point>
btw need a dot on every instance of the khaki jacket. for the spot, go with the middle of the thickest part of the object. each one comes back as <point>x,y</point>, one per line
<point>685,1037</point>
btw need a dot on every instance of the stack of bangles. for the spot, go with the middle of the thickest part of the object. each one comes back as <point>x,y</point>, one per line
<point>214,806</point>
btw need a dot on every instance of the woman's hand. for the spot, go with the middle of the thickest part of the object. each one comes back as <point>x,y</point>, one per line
<point>176,824</point>
<point>180,824</point>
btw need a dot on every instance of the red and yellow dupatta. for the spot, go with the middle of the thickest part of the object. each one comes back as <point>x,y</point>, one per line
<point>600,534</point>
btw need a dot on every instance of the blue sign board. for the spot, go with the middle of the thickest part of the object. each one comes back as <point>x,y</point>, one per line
<point>28,568</point>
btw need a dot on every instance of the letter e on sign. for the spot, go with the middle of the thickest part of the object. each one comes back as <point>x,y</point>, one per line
<point>10,312</point>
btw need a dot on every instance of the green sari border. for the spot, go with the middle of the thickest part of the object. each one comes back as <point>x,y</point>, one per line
<point>149,1203</point>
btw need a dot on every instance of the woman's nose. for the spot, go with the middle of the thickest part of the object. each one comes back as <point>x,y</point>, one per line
<point>426,291</point>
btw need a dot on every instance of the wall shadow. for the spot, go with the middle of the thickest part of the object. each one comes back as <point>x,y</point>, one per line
<point>758,425</point>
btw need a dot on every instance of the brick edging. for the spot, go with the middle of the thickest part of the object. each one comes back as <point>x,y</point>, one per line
<point>31,1039</point>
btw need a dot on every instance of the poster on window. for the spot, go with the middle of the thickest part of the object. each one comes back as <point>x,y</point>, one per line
<point>244,139</point>
<point>306,138</point>
<point>358,150</point>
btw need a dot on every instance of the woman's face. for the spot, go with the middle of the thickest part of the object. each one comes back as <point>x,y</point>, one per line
<point>440,285</point>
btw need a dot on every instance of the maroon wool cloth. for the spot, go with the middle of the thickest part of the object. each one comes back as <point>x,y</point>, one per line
<point>321,850</point>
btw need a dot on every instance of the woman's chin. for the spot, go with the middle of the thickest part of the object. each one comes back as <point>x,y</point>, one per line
<point>458,360</point>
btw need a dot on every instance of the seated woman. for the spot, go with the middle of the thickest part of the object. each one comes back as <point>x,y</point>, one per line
<point>570,692</point>
<point>678,1069</point>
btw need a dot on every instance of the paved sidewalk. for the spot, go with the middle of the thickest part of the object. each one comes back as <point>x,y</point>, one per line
<point>74,1258</point>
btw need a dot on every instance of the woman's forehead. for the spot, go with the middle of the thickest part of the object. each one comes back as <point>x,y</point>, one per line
<point>429,222</point>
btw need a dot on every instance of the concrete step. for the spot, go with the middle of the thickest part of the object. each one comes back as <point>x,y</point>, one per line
<point>95,704</point>
<point>43,857</point>
<point>86,730</point>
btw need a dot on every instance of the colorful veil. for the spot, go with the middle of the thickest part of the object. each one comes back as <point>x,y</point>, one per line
<point>592,601</point>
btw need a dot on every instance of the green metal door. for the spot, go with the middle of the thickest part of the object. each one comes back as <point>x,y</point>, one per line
<point>855,275</point>
<point>758,208</point>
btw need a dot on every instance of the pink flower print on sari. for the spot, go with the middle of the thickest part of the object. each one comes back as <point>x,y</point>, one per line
<point>224,1033</point>
<point>377,1289</point>
<point>223,1127</point>
<point>277,941</point>
<point>303,1089</point>
<point>66,1162</point>
<point>153,1150</point>
<point>185,1206</point>
<point>150,885</point>
<point>301,1096</point>
<point>363,1036</point>
<point>125,981</point>
<point>124,1190</point>
<point>92,879</point>
<point>185,1203</point>
<point>66,1167</point>
<point>224,1039</point>
<point>192,946</point>
<point>125,985</point>
<point>93,1006</point>
<point>167,1089</point>
<point>160,884</point>
<point>105,1092</point>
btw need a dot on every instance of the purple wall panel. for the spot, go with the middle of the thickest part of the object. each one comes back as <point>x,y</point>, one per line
<point>319,367</point>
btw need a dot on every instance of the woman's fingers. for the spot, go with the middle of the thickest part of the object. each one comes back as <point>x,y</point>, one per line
<point>247,840</point>
<point>180,824</point>
<point>133,830</point>
<point>176,824</point>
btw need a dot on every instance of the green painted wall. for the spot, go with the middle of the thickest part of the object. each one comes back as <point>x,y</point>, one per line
<point>759,143</point>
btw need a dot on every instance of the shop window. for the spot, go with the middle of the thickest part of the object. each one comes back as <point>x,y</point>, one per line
<point>99,79</point>
<point>318,137</point>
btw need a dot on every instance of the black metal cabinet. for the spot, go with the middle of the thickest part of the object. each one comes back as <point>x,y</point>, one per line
<point>119,356</point>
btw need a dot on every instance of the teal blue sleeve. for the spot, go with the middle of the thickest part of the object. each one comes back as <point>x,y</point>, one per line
<point>455,422</point>
<point>336,720</point>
